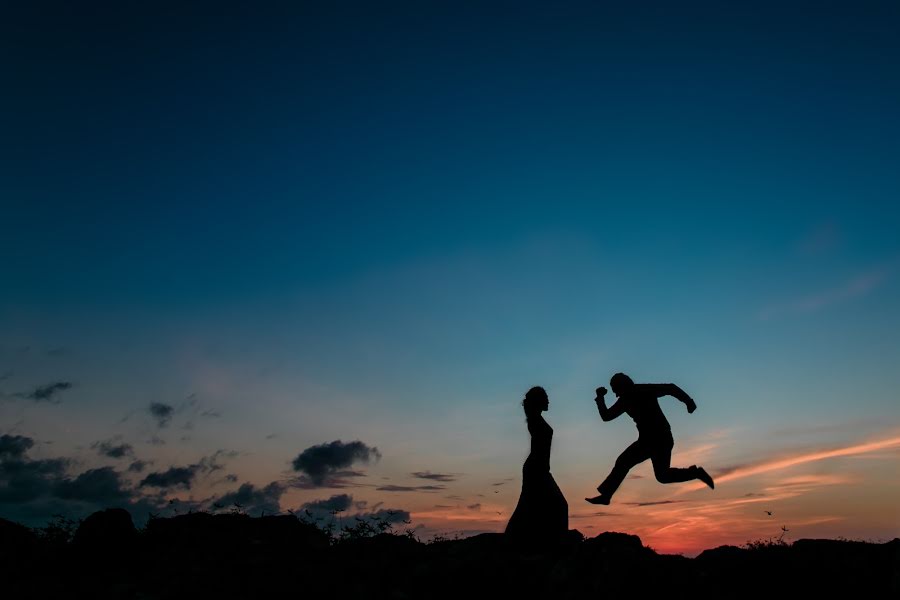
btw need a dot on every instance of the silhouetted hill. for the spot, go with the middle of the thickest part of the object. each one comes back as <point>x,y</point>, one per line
<point>202,555</point>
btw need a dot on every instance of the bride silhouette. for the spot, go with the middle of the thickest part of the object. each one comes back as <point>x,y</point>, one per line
<point>542,514</point>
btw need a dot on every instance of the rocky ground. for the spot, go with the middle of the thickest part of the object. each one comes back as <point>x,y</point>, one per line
<point>202,555</point>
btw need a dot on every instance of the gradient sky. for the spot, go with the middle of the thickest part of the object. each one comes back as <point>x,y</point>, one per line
<point>301,223</point>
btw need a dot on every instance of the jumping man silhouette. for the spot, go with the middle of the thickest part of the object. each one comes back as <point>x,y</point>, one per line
<point>641,402</point>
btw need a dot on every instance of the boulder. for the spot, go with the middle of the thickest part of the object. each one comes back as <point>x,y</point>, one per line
<point>106,530</point>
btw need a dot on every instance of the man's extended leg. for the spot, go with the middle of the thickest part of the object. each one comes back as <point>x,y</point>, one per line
<point>633,455</point>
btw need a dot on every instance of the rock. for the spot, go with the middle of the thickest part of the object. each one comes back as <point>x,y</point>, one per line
<point>108,530</point>
<point>16,541</point>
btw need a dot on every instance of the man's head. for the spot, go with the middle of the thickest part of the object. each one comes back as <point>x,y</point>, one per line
<point>620,384</point>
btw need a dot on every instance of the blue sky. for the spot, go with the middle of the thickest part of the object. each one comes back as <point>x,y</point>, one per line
<point>386,223</point>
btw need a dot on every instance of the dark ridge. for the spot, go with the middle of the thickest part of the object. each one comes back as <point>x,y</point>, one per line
<point>236,556</point>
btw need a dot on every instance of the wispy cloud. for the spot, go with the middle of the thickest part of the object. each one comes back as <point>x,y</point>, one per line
<point>46,393</point>
<point>410,488</point>
<point>657,503</point>
<point>855,287</point>
<point>784,462</point>
<point>444,477</point>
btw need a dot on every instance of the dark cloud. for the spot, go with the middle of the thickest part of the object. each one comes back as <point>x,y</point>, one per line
<point>161,412</point>
<point>31,491</point>
<point>337,480</point>
<point>476,506</point>
<point>253,499</point>
<point>184,477</point>
<point>14,446</point>
<point>212,463</point>
<point>445,477</point>
<point>210,413</point>
<point>48,392</point>
<point>173,477</point>
<point>499,483</point>
<point>23,480</point>
<point>231,477</point>
<point>101,486</point>
<point>324,460</point>
<point>653,503</point>
<point>137,466</point>
<point>156,441</point>
<point>411,488</point>
<point>338,502</point>
<point>113,450</point>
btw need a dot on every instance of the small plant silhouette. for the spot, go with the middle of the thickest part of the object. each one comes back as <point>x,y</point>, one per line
<point>59,530</point>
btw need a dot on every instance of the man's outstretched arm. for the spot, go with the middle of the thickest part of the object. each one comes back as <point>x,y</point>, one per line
<point>670,389</point>
<point>608,414</point>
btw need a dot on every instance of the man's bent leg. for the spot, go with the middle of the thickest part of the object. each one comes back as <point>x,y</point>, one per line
<point>665,473</point>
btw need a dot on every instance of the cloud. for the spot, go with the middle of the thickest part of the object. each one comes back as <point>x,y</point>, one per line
<point>162,413</point>
<point>184,476</point>
<point>338,502</point>
<point>102,487</point>
<point>14,446</point>
<point>137,466</point>
<point>173,477</point>
<point>48,392</point>
<point>209,464</point>
<point>476,506</point>
<point>321,461</point>
<point>253,499</point>
<point>657,503</point>
<point>33,490</point>
<point>113,450</point>
<point>23,480</point>
<point>445,477</point>
<point>337,480</point>
<point>856,287</point>
<point>411,488</point>
<point>791,460</point>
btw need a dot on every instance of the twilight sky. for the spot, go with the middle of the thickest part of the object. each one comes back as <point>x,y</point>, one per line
<point>232,236</point>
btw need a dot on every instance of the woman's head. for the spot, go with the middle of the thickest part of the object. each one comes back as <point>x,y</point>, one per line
<point>620,383</point>
<point>536,400</point>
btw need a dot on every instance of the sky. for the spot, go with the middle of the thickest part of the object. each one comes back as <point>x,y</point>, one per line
<point>310,256</point>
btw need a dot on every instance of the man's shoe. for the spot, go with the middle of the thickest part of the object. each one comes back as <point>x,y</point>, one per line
<point>601,499</point>
<point>703,476</point>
